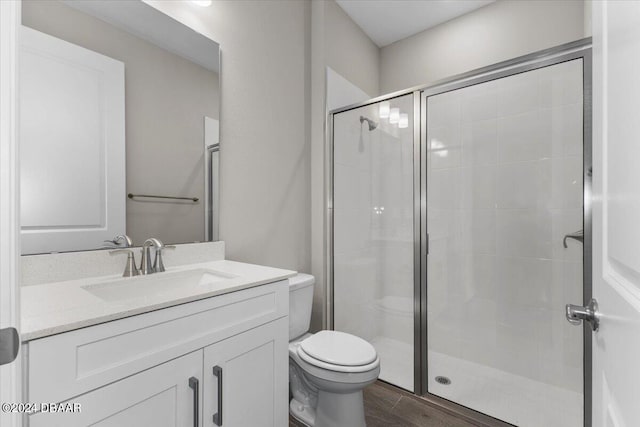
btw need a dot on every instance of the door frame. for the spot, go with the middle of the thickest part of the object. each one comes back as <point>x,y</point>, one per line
<point>11,381</point>
<point>579,49</point>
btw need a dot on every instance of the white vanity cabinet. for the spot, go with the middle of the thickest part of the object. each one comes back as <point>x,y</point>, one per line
<point>240,384</point>
<point>157,368</point>
<point>159,397</point>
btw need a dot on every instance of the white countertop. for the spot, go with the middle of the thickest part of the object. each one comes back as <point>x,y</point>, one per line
<point>53,308</point>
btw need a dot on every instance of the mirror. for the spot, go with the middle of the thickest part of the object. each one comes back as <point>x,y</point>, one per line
<point>119,119</point>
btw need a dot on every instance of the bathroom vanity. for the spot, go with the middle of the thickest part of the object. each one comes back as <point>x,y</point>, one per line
<point>207,347</point>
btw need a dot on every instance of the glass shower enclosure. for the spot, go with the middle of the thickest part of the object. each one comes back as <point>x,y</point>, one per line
<point>373,240</point>
<point>460,227</point>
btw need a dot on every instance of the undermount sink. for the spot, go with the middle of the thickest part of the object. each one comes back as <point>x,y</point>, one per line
<point>156,284</point>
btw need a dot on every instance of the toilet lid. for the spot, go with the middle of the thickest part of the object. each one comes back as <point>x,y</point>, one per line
<point>338,348</point>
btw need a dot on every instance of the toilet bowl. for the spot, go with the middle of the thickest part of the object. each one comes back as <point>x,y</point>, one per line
<point>328,369</point>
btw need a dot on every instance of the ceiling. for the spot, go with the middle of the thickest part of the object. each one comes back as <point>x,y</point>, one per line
<point>387,21</point>
<point>144,21</point>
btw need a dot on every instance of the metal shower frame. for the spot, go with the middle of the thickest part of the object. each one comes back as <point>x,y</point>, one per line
<point>580,49</point>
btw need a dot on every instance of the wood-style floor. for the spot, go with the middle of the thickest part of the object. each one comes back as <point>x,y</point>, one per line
<point>387,406</point>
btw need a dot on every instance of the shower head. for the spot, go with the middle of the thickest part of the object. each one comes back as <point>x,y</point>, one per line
<point>371,123</point>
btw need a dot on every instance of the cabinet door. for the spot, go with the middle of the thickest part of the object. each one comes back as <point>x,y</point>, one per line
<point>249,374</point>
<point>161,397</point>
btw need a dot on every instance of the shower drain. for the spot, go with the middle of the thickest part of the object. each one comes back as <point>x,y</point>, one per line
<point>443,380</point>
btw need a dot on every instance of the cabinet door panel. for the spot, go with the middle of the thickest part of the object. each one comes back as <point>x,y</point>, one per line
<point>159,397</point>
<point>254,368</point>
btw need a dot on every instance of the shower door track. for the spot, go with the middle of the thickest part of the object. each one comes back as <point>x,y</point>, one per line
<point>580,49</point>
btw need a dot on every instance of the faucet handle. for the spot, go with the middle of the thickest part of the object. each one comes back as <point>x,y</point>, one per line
<point>130,268</point>
<point>158,265</point>
<point>120,241</point>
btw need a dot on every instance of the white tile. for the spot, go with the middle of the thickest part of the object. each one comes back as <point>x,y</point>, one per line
<point>573,182</point>
<point>479,232</point>
<point>523,283</point>
<point>445,147</point>
<point>352,230</point>
<point>352,188</point>
<point>561,84</point>
<point>565,124</point>
<point>476,107</point>
<point>479,187</point>
<point>520,138</point>
<point>352,146</point>
<point>481,276</point>
<point>444,110</point>
<point>444,187</point>
<point>518,185</point>
<point>524,233</point>
<point>443,223</point>
<point>479,143</point>
<point>518,94</point>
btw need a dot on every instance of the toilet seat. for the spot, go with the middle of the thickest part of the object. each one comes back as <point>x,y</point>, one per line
<point>338,352</point>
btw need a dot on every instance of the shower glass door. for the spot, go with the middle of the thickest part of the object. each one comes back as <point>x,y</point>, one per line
<point>373,231</point>
<point>504,188</point>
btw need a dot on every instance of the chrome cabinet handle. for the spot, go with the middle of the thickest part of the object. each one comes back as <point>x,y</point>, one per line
<point>195,385</point>
<point>577,313</point>
<point>217,417</point>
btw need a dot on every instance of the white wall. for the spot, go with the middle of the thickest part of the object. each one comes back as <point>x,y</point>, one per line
<point>341,92</point>
<point>348,50</point>
<point>494,33</point>
<point>264,175</point>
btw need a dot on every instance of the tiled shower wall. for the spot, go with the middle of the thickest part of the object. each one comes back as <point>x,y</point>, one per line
<point>505,185</point>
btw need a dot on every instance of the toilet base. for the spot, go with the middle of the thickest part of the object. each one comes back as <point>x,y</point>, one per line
<point>303,413</point>
<point>334,410</point>
<point>339,410</point>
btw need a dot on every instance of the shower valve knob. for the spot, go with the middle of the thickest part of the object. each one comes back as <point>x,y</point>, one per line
<point>577,313</point>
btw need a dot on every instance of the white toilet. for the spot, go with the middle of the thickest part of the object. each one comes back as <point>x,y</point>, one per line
<point>328,369</point>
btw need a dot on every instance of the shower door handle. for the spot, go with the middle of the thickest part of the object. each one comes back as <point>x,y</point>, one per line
<point>577,313</point>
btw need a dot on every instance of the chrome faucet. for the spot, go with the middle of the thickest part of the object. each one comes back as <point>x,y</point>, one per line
<point>158,265</point>
<point>145,263</point>
<point>130,269</point>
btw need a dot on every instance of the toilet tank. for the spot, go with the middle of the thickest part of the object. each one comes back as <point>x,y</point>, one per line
<point>300,302</point>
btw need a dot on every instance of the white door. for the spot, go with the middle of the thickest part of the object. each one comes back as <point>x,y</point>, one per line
<point>168,395</point>
<point>72,145</point>
<point>246,378</point>
<point>616,213</point>
<point>10,378</point>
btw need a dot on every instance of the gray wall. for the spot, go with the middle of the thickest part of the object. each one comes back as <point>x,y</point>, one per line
<point>265,158</point>
<point>348,50</point>
<point>167,97</point>
<point>497,32</point>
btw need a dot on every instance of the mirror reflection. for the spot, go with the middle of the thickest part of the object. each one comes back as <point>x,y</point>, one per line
<point>119,119</point>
